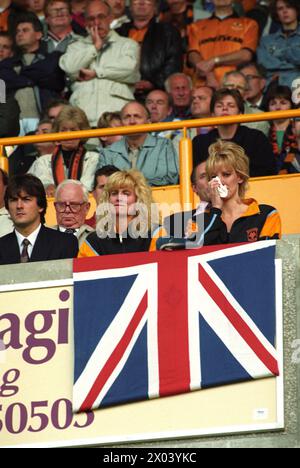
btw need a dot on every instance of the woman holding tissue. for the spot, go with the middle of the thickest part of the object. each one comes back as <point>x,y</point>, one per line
<point>231,218</point>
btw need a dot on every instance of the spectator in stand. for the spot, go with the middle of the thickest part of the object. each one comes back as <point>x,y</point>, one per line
<point>59,22</point>
<point>6,45</point>
<point>9,12</point>
<point>109,120</point>
<point>155,157</point>
<point>237,80</point>
<point>279,53</point>
<point>119,13</point>
<point>200,107</point>
<point>103,65</point>
<point>32,74</point>
<point>54,107</point>
<point>38,8</point>
<point>220,43</point>
<point>161,50</point>
<point>233,218</point>
<point>282,133</point>
<point>78,18</point>
<point>296,160</point>
<point>31,241</point>
<point>184,223</point>
<point>71,207</point>
<point>101,177</point>
<point>127,221</point>
<point>24,155</point>
<point>70,160</point>
<point>227,102</point>
<point>179,86</point>
<point>255,75</point>
<point>6,224</point>
<point>160,106</point>
<point>180,14</point>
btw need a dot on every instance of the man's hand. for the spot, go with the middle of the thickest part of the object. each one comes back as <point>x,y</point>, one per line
<point>143,85</point>
<point>97,41</point>
<point>85,74</point>
<point>204,66</point>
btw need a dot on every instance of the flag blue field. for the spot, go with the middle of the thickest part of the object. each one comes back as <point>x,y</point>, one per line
<point>155,324</point>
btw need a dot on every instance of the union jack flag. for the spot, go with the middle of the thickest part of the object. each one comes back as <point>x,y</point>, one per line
<point>162,323</point>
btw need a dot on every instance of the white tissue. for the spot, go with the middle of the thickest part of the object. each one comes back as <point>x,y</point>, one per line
<point>222,189</point>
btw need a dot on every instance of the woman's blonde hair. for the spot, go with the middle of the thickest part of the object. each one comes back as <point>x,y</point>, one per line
<point>135,181</point>
<point>71,114</point>
<point>230,155</point>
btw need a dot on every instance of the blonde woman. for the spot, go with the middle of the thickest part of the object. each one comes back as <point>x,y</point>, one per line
<point>70,159</point>
<point>232,218</point>
<point>127,219</point>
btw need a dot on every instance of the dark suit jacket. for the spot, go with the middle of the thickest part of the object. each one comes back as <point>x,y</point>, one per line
<point>176,224</point>
<point>49,245</point>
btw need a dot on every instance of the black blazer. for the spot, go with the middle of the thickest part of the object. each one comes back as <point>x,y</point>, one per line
<point>49,245</point>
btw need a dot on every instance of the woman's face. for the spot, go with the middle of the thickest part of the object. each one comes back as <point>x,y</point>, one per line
<point>279,103</point>
<point>69,145</point>
<point>122,199</point>
<point>228,177</point>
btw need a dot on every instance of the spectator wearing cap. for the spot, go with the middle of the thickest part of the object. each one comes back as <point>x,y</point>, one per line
<point>279,53</point>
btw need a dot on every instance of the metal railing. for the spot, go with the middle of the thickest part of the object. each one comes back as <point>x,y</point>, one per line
<point>185,146</point>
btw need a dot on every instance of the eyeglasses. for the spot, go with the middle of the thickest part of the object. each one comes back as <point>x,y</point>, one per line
<point>61,207</point>
<point>253,77</point>
<point>233,86</point>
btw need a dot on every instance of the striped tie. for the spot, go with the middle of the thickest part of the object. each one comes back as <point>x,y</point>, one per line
<point>24,254</point>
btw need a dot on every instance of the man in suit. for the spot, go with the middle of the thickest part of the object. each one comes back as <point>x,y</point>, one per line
<point>72,206</point>
<point>31,241</point>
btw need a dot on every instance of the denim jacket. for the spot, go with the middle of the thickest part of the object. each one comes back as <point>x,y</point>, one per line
<point>280,55</point>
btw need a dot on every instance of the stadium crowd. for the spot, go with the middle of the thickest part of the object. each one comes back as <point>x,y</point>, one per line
<point>78,64</point>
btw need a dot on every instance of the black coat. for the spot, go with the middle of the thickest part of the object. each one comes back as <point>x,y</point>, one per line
<point>256,145</point>
<point>49,245</point>
<point>161,52</point>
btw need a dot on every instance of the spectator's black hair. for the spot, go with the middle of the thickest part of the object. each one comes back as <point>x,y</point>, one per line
<point>6,34</point>
<point>221,93</point>
<point>106,171</point>
<point>4,177</point>
<point>291,3</point>
<point>193,174</point>
<point>29,17</point>
<point>278,92</point>
<point>29,184</point>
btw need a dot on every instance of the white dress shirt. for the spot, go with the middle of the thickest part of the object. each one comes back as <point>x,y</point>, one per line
<point>31,238</point>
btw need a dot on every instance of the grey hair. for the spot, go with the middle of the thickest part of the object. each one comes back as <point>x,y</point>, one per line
<point>73,182</point>
<point>177,75</point>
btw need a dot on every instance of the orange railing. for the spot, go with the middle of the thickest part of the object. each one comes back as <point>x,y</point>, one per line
<point>185,157</point>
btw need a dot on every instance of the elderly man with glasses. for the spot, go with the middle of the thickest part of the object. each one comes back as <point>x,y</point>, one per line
<point>72,206</point>
<point>102,67</point>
